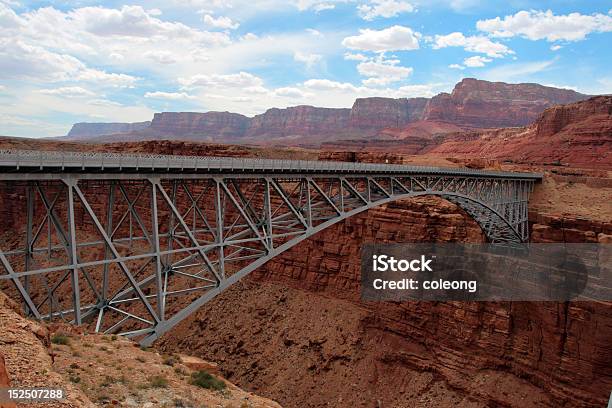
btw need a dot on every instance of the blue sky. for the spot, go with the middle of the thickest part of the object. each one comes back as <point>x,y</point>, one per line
<point>86,61</point>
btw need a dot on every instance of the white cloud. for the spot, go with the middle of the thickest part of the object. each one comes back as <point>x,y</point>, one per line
<point>382,72</point>
<point>103,102</point>
<point>289,92</point>
<point>354,57</point>
<point>538,25</point>
<point>25,61</point>
<point>347,91</point>
<point>476,61</point>
<point>317,5</point>
<point>326,85</point>
<point>222,22</point>
<point>105,78</point>
<point>70,91</point>
<point>384,8</point>
<point>396,38</point>
<point>8,18</point>
<point>240,80</point>
<point>479,44</point>
<point>161,57</point>
<point>314,32</point>
<point>174,96</point>
<point>456,66</point>
<point>308,59</point>
<point>555,47</point>
<point>516,71</point>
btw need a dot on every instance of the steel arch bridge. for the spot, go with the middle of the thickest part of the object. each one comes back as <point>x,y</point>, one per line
<point>133,244</point>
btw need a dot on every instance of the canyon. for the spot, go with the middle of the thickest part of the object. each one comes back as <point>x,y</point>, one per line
<point>473,104</point>
<point>295,330</point>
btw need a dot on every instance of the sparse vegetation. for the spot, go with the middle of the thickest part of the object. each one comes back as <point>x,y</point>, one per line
<point>206,380</point>
<point>75,379</point>
<point>169,361</point>
<point>108,381</point>
<point>60,339</point>
<point>157,381</point>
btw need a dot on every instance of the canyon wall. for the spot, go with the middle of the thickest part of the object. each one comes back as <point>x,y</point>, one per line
<point>85,130</point>
<point>380,113</point>
<point>472,104</point>
<point>224,125</point>
<point>482,104</point>
<point>578,134</point>
<point>298,120</point>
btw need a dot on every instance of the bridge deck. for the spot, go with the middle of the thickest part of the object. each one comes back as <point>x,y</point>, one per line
<point>19,164</point>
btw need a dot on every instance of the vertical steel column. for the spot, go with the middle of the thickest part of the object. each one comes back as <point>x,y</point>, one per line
<point>109,231</point>
<point>155,241</point>
<point>76,290</point>
<point>219,213</point>
<point>308,203</point>
<point>28,243</point>
<point>268,213</point>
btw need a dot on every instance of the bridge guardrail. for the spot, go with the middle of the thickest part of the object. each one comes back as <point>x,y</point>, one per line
<point>88,160</point>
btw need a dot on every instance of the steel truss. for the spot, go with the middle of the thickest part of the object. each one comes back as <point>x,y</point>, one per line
<point>134,254</point>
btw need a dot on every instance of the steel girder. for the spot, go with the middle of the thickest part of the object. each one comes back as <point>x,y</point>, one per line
<point>136,255</point>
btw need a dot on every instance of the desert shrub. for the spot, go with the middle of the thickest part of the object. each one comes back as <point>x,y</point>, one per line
<point>157,381</point>
<point>205,380</point>
<point>60,339</point>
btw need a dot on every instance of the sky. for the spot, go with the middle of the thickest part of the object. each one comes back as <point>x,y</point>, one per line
<point>64,62</point>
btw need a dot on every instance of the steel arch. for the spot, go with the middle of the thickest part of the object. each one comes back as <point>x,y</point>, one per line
<point>138,250</point>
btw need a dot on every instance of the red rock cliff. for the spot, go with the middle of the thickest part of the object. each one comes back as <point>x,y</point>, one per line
<point>299,120</point>
<point>204,126</point>
<point>481,104</point>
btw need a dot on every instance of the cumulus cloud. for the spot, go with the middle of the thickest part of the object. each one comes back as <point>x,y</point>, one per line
<point>161,57</point>
<point>396,38</point>
<point>384,8</point>
<point>70,91</point>
<point>221,22</point>
<point>478,44</point>
<point>174,96</point>
<point>355,57</point>
<point>308,59</point>
<point>289,92</point>
<point>456,66</point>
<point>352,91</point>
<point>317,5</point>
<point>476,61</point>
<point>25,61</point>
<point>239,80</point>
<point>538,25</point>
<point>383,72</point>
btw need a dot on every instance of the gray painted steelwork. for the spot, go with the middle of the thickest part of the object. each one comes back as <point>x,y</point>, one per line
<point>134,244</point>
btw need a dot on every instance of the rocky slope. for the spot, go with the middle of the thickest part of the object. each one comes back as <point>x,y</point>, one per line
<point>101,371</point>
<point>472,104</point>
<point>579,134</point>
